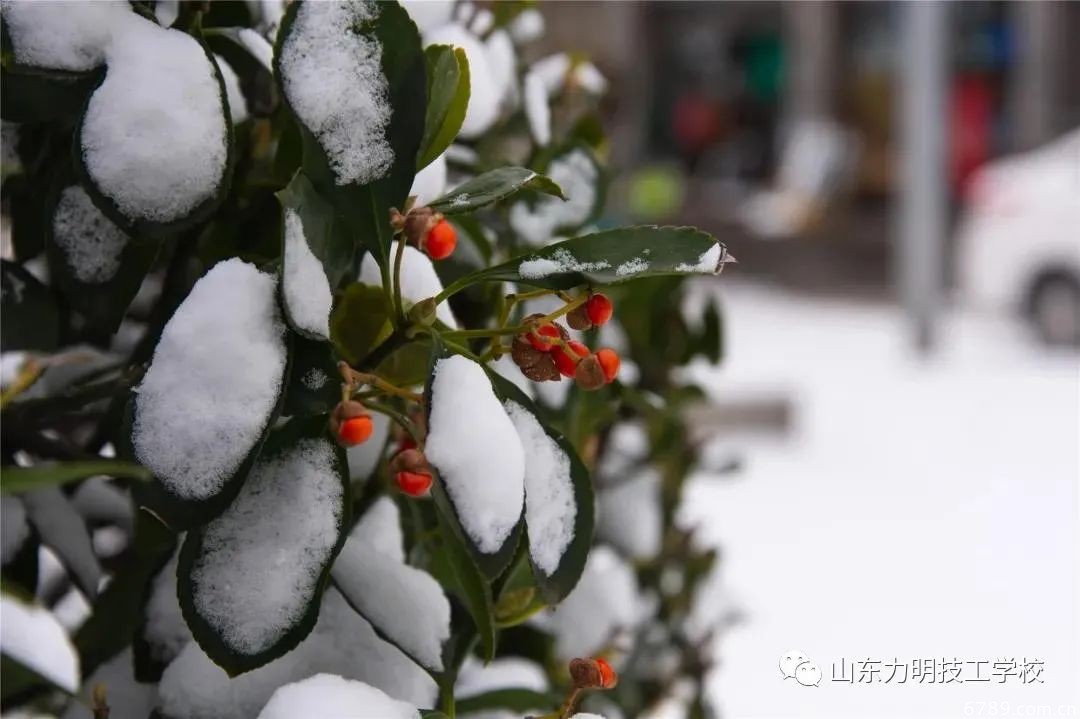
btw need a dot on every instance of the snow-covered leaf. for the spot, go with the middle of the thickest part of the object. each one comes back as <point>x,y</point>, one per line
<point>493,186</point>
<point>559,514</point>
<point>29,319</point>
<point>405,605</point>
<point>460,573</point>
<point>448,99</point>
<point>154,147</point>
<point>484,91</point>
<point>250,581</point>
<point>516,700</point>
<point>609,257</point>
<point>212,391</point>
<point>32,638</point>
<point>475,449</point>
<point>353,75</point>
<point>576,170</point>
<point>630,515</point>
<point>328,696</point>
<point>419,281</point>
<point>22,479</point>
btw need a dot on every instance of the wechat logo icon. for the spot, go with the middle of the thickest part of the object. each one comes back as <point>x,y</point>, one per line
<point>796,665</point>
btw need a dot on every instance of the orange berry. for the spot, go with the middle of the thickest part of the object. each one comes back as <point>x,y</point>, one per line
<point>609,362</point>
<point>536,337</point>
<point>599,309</point>
<point>414,484</point>
<point>441,240</point>
<point>566,359</point>
<point>608,677</point>
<point>355,430</point>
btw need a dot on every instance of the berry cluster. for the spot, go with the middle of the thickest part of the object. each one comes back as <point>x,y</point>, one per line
<point>547,352</point>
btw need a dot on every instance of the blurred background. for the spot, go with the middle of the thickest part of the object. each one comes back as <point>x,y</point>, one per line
<point>901,186</point>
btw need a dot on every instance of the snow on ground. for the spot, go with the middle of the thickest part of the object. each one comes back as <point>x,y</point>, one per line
<point>917,509</point>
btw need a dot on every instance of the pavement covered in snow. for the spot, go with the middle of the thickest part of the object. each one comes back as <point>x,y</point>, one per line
<point>917,509</point>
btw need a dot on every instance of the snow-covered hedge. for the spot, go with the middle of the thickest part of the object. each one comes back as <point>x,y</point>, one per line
<point>311,370</point>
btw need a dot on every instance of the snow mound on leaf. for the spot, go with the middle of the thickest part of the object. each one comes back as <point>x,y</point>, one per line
<point>31,636</point>
<point>505,673</point>
<point>91,243</point>
<point>549,491</point>
<point>475,447</point>
<point>404,603</point>
<point>332,77</point>
<point>342,643</point>
<point>418,280</point>
<point>213,382</point>
<point>165,631</point>
<point>364,458</point>
<point>558,263</point>
<point>327,696</point>
<point>262,559</point>
<point>154,134</point>
<point>428,14</point>
<point>430,183</point>
<point>708,262</point>
<point>629,516</point>
<point>307,291</point>
<point>238,108</point>
<point>537,110</point>
<point>62,35</point>
<point>577,175</point>
<point>257,45</point>
<point>380,530</point>
<point>484,88</point>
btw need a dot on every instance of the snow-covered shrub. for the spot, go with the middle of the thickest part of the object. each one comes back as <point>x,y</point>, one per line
<point>311,382</point>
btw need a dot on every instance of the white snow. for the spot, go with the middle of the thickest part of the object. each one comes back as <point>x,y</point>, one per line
<point>475,447</point>
<point>552,71</point>
<point>404,603</point>
<point>364,458</point>
<point>559,262</point>
<point>333,80</point>
<point>126,697</point>
<point>257,45</point>
<point>31,636</point>
<point>484,91</point>
<point>706,263</point>
<point>537,110</point>
<point>632,267</point>
<point>304,283</point>
<point>419,280</point>
<point>550,509</point>
<point>588,76</point>
<point>98,500</point>
<point>430,182</point>
<point>13,527</point>
<point>380,530</point>
<point>429,14</point>
<point>629,516</point>
<point>576,174</point>
<point>502,58</point>
<point>527,26</point>
<point>166,12</point>
<point>506,368</point>
<point>238,108</point>
<point>91,243</point>
<point>109,541</point>
<point>476,678</point>
<point>166,633</point>
<point>62,35</point>
<point>328,696</point>
<point>262,559</point>
<point>605,599</point>
<point>213,382</point>
<point>71,610</point>
<point>341,643</point>
<point>315,379</point>
<point>155,147</point>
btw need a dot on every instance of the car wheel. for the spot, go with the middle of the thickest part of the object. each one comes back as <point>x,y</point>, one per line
<point>1055,310</point>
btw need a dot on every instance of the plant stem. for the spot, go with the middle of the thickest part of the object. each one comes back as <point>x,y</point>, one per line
<point>384,350</point>
<point>399,306</point>
<point>404,422</point>
<point>355,378</point>
<point>446,699</point>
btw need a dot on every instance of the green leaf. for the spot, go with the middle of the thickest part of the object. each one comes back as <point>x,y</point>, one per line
<point>328,240</point>
<point>469,584</point>
<point>365,208</point>
<point>29,319</point>
<point>517,701</point>
<point>491,564</point>
<point>555,587</point>
<point>492,187</point>
<point>313,385</point>
<point>448,99</point>
<point>519,596</point>
<point>25,479</point>
<point>35,95</point>
<point>607,258</point>
<point>280,444</point>
<point>359,321</point>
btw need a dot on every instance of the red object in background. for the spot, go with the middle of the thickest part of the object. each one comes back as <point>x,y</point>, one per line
<point>971,118</point>
<point>695,121</point>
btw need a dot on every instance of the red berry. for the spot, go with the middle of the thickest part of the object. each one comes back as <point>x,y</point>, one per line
<point>536,337</point>
<point>414,484</point>
<point>355,430</point>
<point>566,359</point>
<point>599,309</point>
<point>441,240</point>
<point>608,678</point>
<point>609,362</point>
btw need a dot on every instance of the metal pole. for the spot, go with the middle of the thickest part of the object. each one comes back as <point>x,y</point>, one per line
<point>923,65</point>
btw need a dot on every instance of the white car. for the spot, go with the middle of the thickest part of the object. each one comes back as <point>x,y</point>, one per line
<point>1019,241</point>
